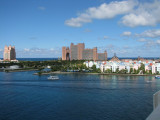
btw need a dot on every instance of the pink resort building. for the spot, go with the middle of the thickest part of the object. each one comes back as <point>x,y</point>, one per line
<point>78,52</point>
<point>9,53</point>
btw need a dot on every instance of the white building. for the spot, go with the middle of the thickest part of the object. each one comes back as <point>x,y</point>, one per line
<point>127,65</point>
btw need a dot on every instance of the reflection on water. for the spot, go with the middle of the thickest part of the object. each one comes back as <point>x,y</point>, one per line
<point>76,96</point>
<point>128,78</point>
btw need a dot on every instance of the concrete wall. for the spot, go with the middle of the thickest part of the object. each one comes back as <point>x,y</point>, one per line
<point>155,115</point>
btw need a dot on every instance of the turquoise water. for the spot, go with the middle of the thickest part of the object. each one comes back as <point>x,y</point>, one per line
<point>24,96</point>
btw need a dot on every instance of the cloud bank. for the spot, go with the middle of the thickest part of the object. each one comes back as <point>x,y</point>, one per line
<point>38,52</point>
<point>154,33</point>
<point>134,13</point>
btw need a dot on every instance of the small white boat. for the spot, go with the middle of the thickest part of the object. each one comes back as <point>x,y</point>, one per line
<point>53,77</point>
<point>149,81</point>
<point>157,76</point>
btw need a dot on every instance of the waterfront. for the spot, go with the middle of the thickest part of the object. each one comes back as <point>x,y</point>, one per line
<point>47,59</point>
<point>76,96</point>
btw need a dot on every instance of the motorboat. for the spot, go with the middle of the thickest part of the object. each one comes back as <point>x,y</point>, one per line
<point>157,76</point>
<point>53,77</point>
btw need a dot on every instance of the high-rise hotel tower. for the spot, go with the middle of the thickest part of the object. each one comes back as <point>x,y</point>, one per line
<point>9,53</point>
<point>78,52</point>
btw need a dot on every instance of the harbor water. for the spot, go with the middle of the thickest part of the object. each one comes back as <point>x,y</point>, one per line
<point>24,96</point>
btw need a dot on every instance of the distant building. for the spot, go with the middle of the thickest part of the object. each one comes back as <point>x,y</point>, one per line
<point>9,53</point>
<point>140,58</point>
<point>78,52</point>
<point>102,56</point>
<point>115,58</point>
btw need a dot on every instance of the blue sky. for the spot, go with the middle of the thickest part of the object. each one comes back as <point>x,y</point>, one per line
<point>39,28</point>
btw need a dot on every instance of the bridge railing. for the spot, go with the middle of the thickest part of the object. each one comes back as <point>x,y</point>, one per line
<point>155,115</point>
<point>156,100</point>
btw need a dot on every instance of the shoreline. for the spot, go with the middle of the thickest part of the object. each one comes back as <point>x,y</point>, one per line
<point>19,70</point>
<point>58,72</point>
<point>89,73</point>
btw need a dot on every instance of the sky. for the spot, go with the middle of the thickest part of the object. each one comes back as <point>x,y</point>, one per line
<point>39,28</point>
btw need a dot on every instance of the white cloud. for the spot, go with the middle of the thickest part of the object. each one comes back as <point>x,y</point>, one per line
<point>41,8</point>
<point>142,40</point>
<point>150,33</point>
<point>26,49</point>
<point>158,41</point>
<point>126,33</point>
<point>146,14</point>
<point>52,49</point>
<point>126,47</point>
<point>105,37</point>
<point>104,11</point>
<point>134,13</point>
<point>123,51</point>
<point>150,44</point>
<point>39,52</point>
<point>77,22</point>
<point>1,53</point>
<point>34,50</point>
<point>87,30</point>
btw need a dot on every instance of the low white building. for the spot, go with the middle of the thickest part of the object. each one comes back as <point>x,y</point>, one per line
<point>127,65</point>
<point>14,67</point>
<point>155,68</point>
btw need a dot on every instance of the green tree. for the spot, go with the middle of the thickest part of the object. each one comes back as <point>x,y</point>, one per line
<point>108,71</point>
<point>135,71</point>
<point>131,70</point>
<point>142,67</point>
<point>94,68</point>
<point>98,70</point>
<point>123,71</point>
<point>117,70</point>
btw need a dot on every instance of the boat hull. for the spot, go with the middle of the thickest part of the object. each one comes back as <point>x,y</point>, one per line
<point>157,77</point>
<point>53,78</point>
